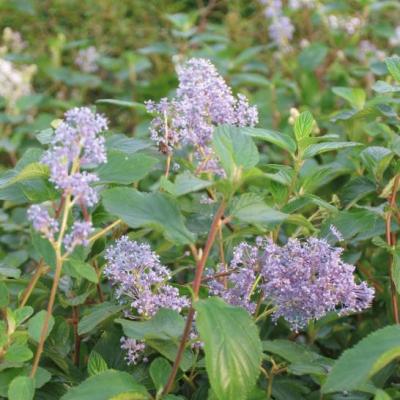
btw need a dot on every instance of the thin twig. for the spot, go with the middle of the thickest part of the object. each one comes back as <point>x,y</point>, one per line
<point>391,241</point>
<point>40,269</point>
<point>196,287</point>
<point>104,231</point>
<point>77,338</point>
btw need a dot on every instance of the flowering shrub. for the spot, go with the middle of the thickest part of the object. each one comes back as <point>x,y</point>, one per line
<point>208,213</point>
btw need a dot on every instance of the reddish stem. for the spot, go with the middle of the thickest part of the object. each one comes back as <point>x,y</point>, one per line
<point>391,241</point>
<point>196,287</point>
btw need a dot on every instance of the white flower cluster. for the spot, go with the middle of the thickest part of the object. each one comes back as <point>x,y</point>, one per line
<point>15,82</point>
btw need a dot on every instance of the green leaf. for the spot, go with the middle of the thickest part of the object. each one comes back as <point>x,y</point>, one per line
<point>303,360</point>
<point>236,151</point>
<point>31,171</point>
<point>381,395</point>
<point>21,388</point>
<point>303,126</point>
<point>396,269</point>
<point>97,315</point>
<point>123,103</point>
<point>355,96</point>
<point>184,183</point>
<point>125,169</point>
<point>169,349</point>
<point>80,269</point>
<point>44,248</point>
<point>312,56</point>
<point>252,209</point>
<point>148,209</point>
<point>393,65</point>
<point>21,314</point>
<point>232,348</point>
<point>126,144</point>
<point>376,159</point>
<point>166,324</point>
<point>320,148</point>
<point>160,370</point>
<point>356,365</point>
<point>279,139</point>
<point>4,296</point>
<point>107,385</point>
<point>35,325</point>
<point>96,364</point>
<point>384,87</point>
<point>18,353</point>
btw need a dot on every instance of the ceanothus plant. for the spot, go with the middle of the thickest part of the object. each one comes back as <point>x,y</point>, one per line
<point>135,248</point>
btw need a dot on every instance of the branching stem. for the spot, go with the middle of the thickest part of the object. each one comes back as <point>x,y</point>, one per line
<point>196,287</point>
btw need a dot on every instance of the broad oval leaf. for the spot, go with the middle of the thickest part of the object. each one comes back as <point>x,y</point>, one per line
<point>107,385</point>
<point>21,388</point>
<point>232,347</point>
<point>355,366</point>
<point>148,209</point>
<point>235,150</point>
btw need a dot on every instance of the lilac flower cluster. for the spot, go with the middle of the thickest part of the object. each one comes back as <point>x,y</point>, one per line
<point>87,59</point>
<point>42,221</point>
<point>203,100</point>
<point>134,349</point>
<point>302,280</point>
<point>238,288</point>
<point>76,143</point>
<point>307,280</point>
<point>281,29</point>
<point>78,235</point>
<point>140,279</point>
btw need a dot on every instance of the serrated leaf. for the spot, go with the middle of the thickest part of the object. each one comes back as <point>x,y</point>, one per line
<point>356,365</point>
<point>303,126</point>
<point>320,148</point>
<point>96,364</point>
<point>156,210</point>
<point>393,65</point>
<point>376,159</point>
<point>232,348</point>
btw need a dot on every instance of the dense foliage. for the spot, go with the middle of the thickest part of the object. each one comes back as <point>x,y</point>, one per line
<point>199,199</point>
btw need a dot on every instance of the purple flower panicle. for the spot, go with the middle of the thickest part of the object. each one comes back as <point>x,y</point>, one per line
<point>203,100</point>
<point>306,280</point>
<point>302,280</point>
<point>42,221</point>
<point>140,279</point>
